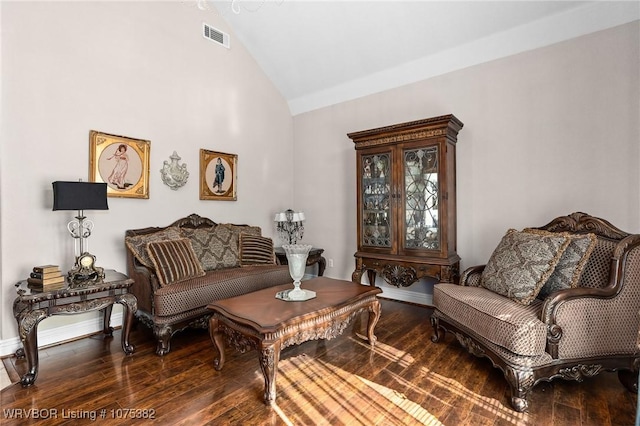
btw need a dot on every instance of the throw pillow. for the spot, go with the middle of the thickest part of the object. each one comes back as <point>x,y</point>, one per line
<point>569,269</point>
<point>215,247</point>
<point>174,261</point>
<point>138,243</point>
<point>256,250</point>
<point>245,229</point>
<point>521,264</point>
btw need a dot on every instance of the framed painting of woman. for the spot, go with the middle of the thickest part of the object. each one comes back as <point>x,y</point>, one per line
<point>120,162</point>
<point>218,175</point>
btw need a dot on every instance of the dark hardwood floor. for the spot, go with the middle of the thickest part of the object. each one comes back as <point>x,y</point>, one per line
<point>405,380</point>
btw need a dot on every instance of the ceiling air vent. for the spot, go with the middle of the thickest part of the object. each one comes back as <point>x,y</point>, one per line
<point>216,35</point>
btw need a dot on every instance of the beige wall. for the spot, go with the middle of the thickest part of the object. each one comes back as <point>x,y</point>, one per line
<point>138,69</point>
<point>546,133</point>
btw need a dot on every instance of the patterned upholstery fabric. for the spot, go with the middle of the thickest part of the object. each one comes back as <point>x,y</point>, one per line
<point>587,329</point>
<point>596,271</point>
<point>245,229</point>
<point>174,261</point>
<point>498,319</point>
<point>138,244</point>
<point>505,354</point>
<point>195,293</point>
<point>522,263</point>
<point>256,250</point>
<point>569,269</point>
<point>470,278</point>
<point>216,247</point>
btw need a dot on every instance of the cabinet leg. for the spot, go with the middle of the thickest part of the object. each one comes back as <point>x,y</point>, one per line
<point>371,274</point>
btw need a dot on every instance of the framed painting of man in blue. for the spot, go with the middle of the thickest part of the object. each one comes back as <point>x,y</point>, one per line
<point>218,175</point>
<point>120,162</point>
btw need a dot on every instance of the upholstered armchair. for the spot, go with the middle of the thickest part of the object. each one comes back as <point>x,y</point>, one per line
<point>572,330</point>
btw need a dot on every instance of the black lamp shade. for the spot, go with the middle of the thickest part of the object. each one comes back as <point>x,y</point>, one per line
<point>79,196</point>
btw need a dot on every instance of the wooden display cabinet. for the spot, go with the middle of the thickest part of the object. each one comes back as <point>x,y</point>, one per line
<point>406,177</point>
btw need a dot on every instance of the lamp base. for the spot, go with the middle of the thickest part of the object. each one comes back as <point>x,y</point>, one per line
<point>85,270</point>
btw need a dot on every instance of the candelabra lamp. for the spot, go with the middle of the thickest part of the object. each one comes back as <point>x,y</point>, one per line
<point>290,226</point>
<point>81,196</point>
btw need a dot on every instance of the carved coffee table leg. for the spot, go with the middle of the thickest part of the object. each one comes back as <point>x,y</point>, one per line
<point>218,342</point>
<point>374,316</point>
<point>130,305</point>
<point>269,357</point>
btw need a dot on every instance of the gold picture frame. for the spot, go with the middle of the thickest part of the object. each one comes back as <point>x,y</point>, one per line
<point>120,162</point>
<point>218,175</point>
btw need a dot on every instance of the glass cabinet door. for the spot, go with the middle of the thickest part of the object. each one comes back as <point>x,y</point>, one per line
<point>421,209</point>
<point>375,191</point>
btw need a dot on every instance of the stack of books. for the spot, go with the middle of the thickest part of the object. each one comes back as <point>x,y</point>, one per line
<point>46,277</point>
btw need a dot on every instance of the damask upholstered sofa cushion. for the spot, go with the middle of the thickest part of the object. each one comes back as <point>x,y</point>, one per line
<point>138,243</point>
<point>174,261</point>
<point>567,272</point>
<point>188,296</point>
<point>511,325</point>
<point>256,250</point>
<point>521,264</point>
<point>216,247</point>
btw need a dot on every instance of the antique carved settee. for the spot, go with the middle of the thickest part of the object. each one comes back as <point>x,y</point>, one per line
<point>180,268</point>
<point>579,316</point>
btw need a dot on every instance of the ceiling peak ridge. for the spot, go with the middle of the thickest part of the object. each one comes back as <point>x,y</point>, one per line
<point>566,25</point>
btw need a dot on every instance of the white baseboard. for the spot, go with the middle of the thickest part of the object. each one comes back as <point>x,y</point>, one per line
<point>422,295</point>
<point>406,296</point>
<point>420,292</point>
<point>61,334</point>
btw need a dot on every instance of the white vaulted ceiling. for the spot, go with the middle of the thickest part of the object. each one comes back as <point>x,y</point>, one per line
<point>319,53</point>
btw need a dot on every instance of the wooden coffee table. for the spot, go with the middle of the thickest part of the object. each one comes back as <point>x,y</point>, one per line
<point>259,321</point>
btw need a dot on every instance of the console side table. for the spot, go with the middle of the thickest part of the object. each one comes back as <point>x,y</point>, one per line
<point>315,256</point>
<point>31,307</point>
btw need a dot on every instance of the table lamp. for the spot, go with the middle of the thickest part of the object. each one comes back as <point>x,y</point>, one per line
<point>81,196</point>
<point>289,225</point>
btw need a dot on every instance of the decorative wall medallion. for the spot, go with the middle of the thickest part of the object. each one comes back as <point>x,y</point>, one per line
<point>174,174</point>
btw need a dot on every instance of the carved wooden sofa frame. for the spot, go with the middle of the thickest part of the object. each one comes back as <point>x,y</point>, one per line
<point>615,294</point>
